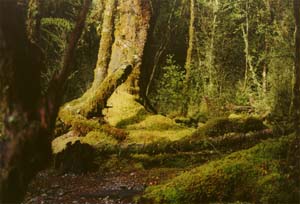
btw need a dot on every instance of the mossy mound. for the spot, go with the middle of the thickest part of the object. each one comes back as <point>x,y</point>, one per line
<point>173,160</point>
<point>156,122</point>
<point>124,110</point>
<point>60,143</point>
<point>154,128</point>
<point>224,125</point>
<point>253,175</point>
<point>145,137</point>
<point>101,141</point>
<point>97,139</point>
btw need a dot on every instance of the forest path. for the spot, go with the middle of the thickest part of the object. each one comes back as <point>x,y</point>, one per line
<point>117,186</point>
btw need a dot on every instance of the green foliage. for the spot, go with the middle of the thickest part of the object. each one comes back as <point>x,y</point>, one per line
<point>219,64</point>
<point>54,32</point>
<point>169,87</point>
<point>57,22</point>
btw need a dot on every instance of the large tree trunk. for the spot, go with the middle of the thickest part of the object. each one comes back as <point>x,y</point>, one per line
<point>29,117</point>
<point>120,56</point>
<point>94,101</point>
<point>130,38</point>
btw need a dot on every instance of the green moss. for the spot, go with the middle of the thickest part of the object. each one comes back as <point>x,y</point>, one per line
<point>60,143</point>
<point>224,125</point>
<point>144,136</point>
<point>101,141</point>
<point>252,175</point>
<point>173,160</point>
<point>98,139</point>
<point>140,116</point>
<point>124,107</point>
<point>156,122</point>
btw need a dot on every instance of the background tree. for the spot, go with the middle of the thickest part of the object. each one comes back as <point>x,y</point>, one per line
<point>296,101</point>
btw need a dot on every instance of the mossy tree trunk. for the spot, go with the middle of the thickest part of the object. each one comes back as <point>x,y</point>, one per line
<point>296,100</point>
<point>189,57</point>
<point>124,34</point>
<point>29,116</point>
<point>33,21</point>
<point>94,100</point>
<point>130,37</point>
<point>107,37</point>
<point>294,151</point>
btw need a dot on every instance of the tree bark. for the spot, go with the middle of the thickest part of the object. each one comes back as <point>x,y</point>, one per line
<point>294,149</point>
<point>107,38</point>
<point>296,100</point>
<point>94,101</point>
<point>29,117</point>
<point>189,57</point>
<point>34,21</point>
<point>122,59</point>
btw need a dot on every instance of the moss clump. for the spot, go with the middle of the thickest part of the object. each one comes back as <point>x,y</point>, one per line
<point>138,117</point>
<point>76,122</point>
<point>119,134</point>
<point>145,137</point>
<point>124,110</point>
<point>253,175</point>
<point>101,141</point>
<point>97,139</point>
<point>60,143</point>
<point>224,125</point>
<point>156,122</point>
<point>173,160</point>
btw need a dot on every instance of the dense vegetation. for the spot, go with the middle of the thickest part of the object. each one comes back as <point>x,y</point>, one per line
<point>189,101</point>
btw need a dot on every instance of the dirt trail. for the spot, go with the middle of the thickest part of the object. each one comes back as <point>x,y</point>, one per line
<point>114,187</point>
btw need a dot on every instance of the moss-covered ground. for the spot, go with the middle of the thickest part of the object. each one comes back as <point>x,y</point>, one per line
<point>254,175</point>
<point>227,159</point>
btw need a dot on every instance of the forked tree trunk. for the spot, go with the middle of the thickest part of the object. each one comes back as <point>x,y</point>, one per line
<point>120,56</point>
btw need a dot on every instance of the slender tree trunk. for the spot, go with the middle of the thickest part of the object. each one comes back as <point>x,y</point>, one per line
<point>33,21</point>
<point>29,117</point>
<point>189,57</point>
<point>107,38</point>
<point>294,151</point>
<point>296,100</point>
<point>211,48</point>
<point>249,69</point>
<point>190,50</point>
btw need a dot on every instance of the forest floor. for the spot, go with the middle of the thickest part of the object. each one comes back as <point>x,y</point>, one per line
<point>158,154</point>
<point>114,187</point>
